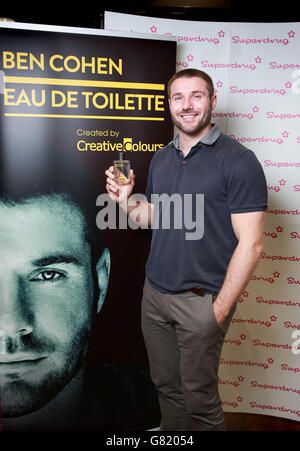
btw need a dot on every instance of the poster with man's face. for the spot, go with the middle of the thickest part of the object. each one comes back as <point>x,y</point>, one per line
<point>71,104</point>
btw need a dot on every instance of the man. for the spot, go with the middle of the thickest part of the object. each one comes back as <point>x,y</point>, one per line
<point>192,285</point>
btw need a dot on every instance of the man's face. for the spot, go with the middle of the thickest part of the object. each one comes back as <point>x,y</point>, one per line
<point>46,301</point>
<point>190,105</point>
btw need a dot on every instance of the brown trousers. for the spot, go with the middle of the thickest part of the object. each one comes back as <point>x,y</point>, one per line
<point>184,343</point>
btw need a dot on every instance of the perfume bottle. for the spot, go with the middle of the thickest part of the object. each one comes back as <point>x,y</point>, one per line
<point>122,170</point>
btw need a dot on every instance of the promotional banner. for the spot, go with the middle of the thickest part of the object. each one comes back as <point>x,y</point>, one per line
<point>73,101</point>
<point>256,72</point>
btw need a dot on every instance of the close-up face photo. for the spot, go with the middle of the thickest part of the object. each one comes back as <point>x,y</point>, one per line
<point>47,301</point>
<point>190,104</point>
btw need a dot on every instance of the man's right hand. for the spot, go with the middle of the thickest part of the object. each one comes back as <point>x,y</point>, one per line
<point>118,193</point>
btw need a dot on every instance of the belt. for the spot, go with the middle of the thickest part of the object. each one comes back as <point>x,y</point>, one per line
<point>199,291</point>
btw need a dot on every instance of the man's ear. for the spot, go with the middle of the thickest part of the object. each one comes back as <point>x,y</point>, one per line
<point>103,269</point>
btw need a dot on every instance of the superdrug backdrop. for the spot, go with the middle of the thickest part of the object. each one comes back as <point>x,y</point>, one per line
<point>72,100</point>
<point>256,72</point>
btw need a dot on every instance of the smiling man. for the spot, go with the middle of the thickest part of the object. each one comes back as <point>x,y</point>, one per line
<point>192,285</point>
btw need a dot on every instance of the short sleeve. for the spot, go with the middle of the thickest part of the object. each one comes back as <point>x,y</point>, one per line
<point>247,187</point>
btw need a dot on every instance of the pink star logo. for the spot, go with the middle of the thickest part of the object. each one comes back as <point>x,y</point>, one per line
<point>288,84</point>
<point>291,34</point>
<point>190,57</point>
<point>258,60</point>
<point>153,29</point>
<point>279,228</point>
<point>221,34</point>
<point>219,84</point>
<point>273,318</point>
<point>281,182</point>
<point>239,399</point>
<point>270,360</point>
<point>241,378</point>
<point>246,294</point>
<point>276,274</point>
<point>243,337</point>
<point>255,109</point>
<point>285,134</point>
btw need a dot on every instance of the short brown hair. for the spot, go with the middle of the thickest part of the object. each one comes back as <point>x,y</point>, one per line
<point>193,73</point>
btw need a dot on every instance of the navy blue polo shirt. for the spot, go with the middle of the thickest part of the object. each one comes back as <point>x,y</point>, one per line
<point>231,180</point>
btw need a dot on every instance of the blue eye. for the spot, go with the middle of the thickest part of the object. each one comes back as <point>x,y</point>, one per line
<point>47,276</point>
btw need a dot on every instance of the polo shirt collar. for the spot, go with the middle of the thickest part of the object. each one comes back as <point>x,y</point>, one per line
<point>209,139</point>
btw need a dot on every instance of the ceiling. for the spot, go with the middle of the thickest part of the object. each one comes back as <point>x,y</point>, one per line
<point>90,15</point>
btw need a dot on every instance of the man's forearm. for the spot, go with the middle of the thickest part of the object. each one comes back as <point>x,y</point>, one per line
<point>240,269</point>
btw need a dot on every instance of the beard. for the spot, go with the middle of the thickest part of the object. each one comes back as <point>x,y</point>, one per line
<point>196,126</point>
